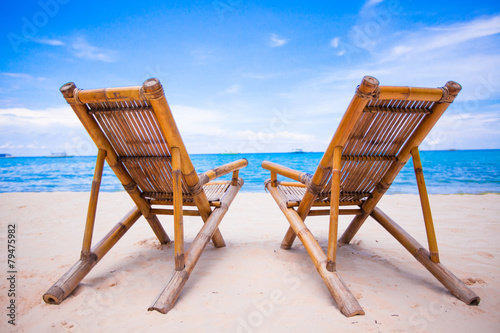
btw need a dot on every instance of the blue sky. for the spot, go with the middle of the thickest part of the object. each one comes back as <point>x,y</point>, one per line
<point>245,76</point>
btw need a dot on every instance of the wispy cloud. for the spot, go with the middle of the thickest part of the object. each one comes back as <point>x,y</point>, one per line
<point>18,75</point>
<point>466,52</point>
<point>259,76</point>
<point>267,136</point>
<point>48,41</point>
<point>276,41</point>
<point>335,42</point>
<point>370,3</point>
<point>82,49</point>
<point>233,89</point>
<point>22,117</point>
<point>23,76</point>
<point>196,121</point>
<point>433,38</point>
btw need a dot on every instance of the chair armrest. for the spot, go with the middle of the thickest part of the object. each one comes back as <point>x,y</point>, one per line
<point>209,175</point>
<point>287,172</point>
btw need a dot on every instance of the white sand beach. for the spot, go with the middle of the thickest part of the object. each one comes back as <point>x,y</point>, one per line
<point>251,285</point>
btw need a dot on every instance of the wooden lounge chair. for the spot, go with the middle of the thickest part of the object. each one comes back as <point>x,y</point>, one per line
<point>136,134</point>
<point>381,129</point>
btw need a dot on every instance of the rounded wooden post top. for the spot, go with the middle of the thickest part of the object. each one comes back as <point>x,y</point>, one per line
<point>450,91</point>
<point>368,86</point>
<point>153,88</point>
<point>68,90</point>
<point>150,85</point>
<point>453,87</point>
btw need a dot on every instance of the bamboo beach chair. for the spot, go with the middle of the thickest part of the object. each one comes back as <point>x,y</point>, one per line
<point>381,129</point>
<point>136,134</point>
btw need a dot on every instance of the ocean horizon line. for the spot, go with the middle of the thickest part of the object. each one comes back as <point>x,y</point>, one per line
<point>446,172</point>
<point>254,153</point>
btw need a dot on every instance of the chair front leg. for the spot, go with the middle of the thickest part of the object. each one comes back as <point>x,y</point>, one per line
<point>178,214</point>
<point>94,194</point>
<point>426,207</point>
<point>334,210</point>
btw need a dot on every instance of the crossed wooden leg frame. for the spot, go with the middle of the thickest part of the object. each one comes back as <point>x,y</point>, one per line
<point>326,263</point>
<point>184,262</point>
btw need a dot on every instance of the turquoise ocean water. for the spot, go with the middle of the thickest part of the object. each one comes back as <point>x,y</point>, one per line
<point>446,172</point>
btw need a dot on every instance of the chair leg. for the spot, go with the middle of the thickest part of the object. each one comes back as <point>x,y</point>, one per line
<point>205,212</point>
<point>178,215</point>
<point>287,241</point>
<point>155,224</point>
<point>166,299</point>
<point>94,195</point>
<point>69,281</point>
<point>450,281</point>
<point>426,207</point>
<point>353,227</point>
<point>345,300</point>
<point>334,210</point>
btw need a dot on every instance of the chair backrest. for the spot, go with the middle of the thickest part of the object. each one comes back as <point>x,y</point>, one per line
<point>136,128</point>
<point>380,127</point>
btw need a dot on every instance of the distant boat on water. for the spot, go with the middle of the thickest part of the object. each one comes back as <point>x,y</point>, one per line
<point>5,155</point>
<point>59,155</point>
<point>298,151</point>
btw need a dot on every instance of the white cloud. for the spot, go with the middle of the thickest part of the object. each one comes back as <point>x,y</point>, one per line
<point>25,132</point>
<point>277,41</point>
<point>259,76</point>
<point>19,75</point>
<point>34,145</point>
<point>465,52</point>
<point>372,3</point>
<point>26,118</point>
<point>270,135</point>
<point>48,41</point>
<point>335,42</point>
<point>82,49</point>
<point>196,121</point>
<point>233,89</point>
<point>434,38</point>
<point>23,76</point>
<point>201,55</point>
<point>465,131</point>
